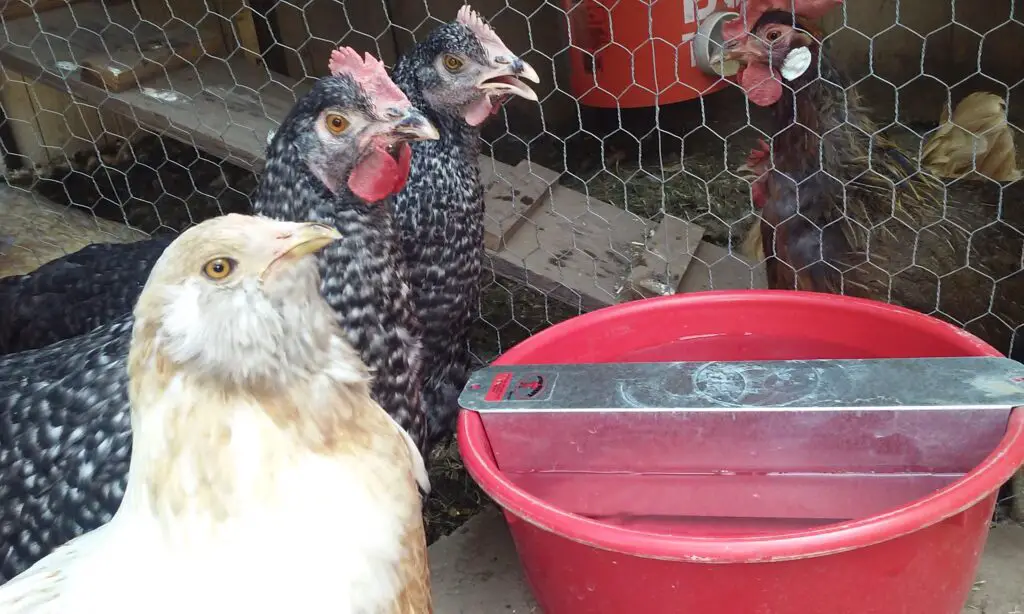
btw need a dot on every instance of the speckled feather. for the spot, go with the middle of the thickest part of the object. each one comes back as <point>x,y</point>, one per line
<point>66,433</point>
<point>101,281</point>
<point>363,275</point>
<point>440,215</point>
<point>64,414</point>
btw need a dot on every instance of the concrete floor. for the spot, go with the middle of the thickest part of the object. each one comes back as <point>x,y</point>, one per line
<point>475,571</point>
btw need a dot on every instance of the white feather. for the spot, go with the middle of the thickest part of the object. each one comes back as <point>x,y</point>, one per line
<point>329,538</point>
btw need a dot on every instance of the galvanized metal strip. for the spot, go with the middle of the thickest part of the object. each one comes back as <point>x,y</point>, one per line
<point>904,384</point>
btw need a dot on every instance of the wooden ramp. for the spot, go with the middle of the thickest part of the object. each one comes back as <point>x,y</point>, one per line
<point>577,249</point>
<point>34,231</point>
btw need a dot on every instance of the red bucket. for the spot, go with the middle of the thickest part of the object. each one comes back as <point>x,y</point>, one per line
<point>637,53</point>
<point>919,558</point>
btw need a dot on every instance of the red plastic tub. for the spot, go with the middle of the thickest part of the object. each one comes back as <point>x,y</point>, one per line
<point>919,558</point>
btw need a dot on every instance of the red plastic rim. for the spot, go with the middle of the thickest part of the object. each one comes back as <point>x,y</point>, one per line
<point>984,480</point>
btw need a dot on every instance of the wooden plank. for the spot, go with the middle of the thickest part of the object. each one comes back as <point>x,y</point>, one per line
<point>38,231</point>
<point>311,29</point>
<point>512,198</point>
<point>715,268</point>
<point>66,126</point>
<point>294,38</point>
<point>14,9</point>
<point>576,250</point>
<point>239,29</point>
<point>168,13</point>
<point>223,107</point>
<point>21,118</point>
<point>665,259</point>
<point>151,52</point>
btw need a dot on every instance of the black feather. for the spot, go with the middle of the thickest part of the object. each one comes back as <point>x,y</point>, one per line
<point>440,215</point>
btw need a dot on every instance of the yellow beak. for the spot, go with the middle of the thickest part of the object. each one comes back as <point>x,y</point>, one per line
<point>307,238</point>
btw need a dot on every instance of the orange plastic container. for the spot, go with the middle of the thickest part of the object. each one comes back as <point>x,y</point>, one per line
<point>637,53</point>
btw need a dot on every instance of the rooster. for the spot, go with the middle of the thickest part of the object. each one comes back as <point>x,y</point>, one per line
<point>64,416</point>
<point>976,139</point>
<point>281,456</point>
<point>844,210</point>
<point>459,76</point>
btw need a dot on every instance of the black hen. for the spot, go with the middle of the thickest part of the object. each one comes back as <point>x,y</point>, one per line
<point>72,295</point>
<point>64,415</point>
<point>458,76</point>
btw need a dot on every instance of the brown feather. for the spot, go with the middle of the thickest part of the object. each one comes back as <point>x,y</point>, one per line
<point>849,212</point>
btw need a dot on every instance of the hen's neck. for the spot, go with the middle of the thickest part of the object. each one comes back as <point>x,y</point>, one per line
<point>288,190</point>
<point>207,453</point>
<point>818,116</point>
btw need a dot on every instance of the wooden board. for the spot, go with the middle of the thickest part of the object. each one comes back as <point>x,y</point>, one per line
<point>715,268</point>
<point>664,260</point>
<point>576,251</point>
<point>47,124</point>
<point>223,107</point>
<point>512,195</point>
<point>239,29</point>
<point>13,9</point>
<point>150,52</point>
<point>34,231</point>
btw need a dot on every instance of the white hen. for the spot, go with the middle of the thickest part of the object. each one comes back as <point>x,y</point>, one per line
<point>263,477</point>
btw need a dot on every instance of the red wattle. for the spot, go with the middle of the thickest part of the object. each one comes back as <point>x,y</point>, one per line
<point>761,84</point>
<point>378,175</point>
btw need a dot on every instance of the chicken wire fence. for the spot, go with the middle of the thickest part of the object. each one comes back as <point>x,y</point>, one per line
<point>184,142</point>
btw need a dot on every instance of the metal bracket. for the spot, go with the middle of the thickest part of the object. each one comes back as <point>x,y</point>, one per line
<point>807,441</point>
<point>974,383</point>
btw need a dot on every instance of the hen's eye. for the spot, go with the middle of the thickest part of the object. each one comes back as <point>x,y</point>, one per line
<point>336,123</point>
<point>773,35</point>
<point>219,268</point>
<point>452,63</point>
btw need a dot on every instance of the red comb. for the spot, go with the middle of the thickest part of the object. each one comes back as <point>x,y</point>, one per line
<point>472,20</point>
<point>753,9</point>
<point>371,74</point>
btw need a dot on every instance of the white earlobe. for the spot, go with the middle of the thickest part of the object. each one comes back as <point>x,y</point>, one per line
<point>796,63</point>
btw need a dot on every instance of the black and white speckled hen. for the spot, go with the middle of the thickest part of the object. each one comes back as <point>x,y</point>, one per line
<point>64,413</point>
<point>459,75</point>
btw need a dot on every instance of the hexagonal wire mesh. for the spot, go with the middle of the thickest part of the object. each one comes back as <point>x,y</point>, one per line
<point>640,139</point>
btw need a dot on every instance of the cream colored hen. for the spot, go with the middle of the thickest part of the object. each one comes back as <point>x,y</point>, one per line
<point>978,138</point>
<point>263,477</point>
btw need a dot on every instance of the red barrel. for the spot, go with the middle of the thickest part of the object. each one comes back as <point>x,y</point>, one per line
<point>637,53</point>
<point>919,558</point>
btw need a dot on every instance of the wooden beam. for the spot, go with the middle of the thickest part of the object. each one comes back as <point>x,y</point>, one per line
<point>15,9</point>
<point>716,268</point>
<point>152,53</point>
<point>21,118</point>
<point>239,29</point>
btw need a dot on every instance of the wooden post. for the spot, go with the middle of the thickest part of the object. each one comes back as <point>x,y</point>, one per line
<point>316,27</point>
<point>240,28</point>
